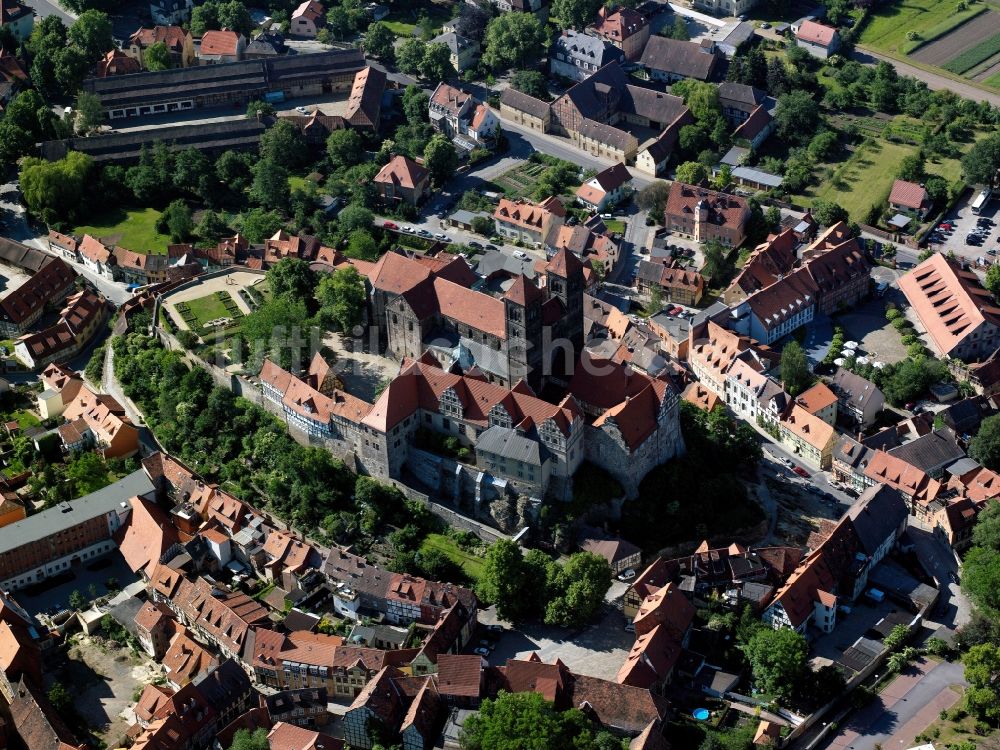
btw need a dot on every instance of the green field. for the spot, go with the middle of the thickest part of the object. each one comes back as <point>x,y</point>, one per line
<point>134,230</point>
<point>993,81</point>
<point>471,564</point>
<point>972,57</point>
<point>861,180</point>
<point>886,30</point>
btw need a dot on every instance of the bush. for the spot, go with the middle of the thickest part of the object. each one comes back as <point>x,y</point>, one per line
<point>187,339</point>
<point>915,349</point>
<point>892,314</point>
<point>900,323</point>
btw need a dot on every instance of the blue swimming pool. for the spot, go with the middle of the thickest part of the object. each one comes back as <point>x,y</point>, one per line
<point>701,714</point>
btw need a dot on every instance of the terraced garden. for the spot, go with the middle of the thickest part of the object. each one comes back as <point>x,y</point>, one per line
<point>198,313</point>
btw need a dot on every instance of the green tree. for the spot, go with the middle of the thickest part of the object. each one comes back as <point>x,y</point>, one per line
<point>982,671</point>
<point>379,41</point>
<point>911,168</point>
<point>234,169</point>
<point>88,473</point>
<point>773,217</point>
<point>513,40</point>
<point>53,191</point>
<point>361,245</point>
<point>985,446</point>
<point>691,172</point>
<point>257,224</point>
<point>574,14</point>
<point>986,532</point>
<point>679,29</point>
<point>58,695</point>
<point>653,198</point>
<point>525,721</point>
<point>717,266</point>
<point>278,329</point>
<point>269,188</point>
<point>436,63</point>
<point>212,227</point>
<point>530,82</point>
<point>283,144</point>
<point>345,148</point>
<point>259,108</point>
<point>795,368</point>
<point>410,56</point>
<point>354,217</point>
<point>291,277</point>
<point>502,580</point>
<point>176,221</point>
<point>982,162</point>
<point>581,585</point>
<point>341,296</point>
<point>89,112</point>
<point>980,573</point>
<point>91,33</point>
<point>441,159</point>
<point>828,213</point>
<point>993,280</point>
<point>899,635</point>
<point>797,116</point>
<point>157,57</point>
<point>483,225</point>
<point>777,659</point>
<point>244,739</point>
<point>823,146</point>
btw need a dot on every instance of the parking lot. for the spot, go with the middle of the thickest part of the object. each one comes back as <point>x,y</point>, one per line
<point>963,222</point>
<point>599,650</point>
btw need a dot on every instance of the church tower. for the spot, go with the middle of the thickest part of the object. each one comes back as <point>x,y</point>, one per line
<point>523,322</point>
<point>565,281</point>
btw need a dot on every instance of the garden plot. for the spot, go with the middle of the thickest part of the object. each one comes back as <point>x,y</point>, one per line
<point>954,50</point>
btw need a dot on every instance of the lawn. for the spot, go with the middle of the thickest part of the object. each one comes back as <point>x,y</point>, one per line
<point>993,81</point>
<point>207,308</point>
<point>471,564</point>
<point>614,226</point>
<point>297,183</point>
<point>132,229</point>
<point>886,30</point>
<point>24,418</point>
<point>405,21</point>
<point>861,180</point>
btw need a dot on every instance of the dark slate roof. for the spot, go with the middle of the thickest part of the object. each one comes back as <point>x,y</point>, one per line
<point>931,451</point>
<point>123,147</point>
<point>685,59</point>
<point>855,389</point>
<point>523,103</point>
<point>37,527</point>
<point>225,686</point>
<point>248,76</point>
<point>607,134</point>
<point>877,513</point>
<point>740,96</point>
<point>590,49</point>
<point>509,443</point>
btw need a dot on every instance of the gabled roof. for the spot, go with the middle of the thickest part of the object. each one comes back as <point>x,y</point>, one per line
<point>909,195</point>
<point>816,398</point>
<point>754,125</point>
<point>816,33</point>
<point>224,42</point>
<point>652,658</point>
<point>951,303</point>
<point>364,105</point>
<point>459,675</point>
<point>172,36</point>
<point>147,535</point>
<point>522,102</point>
<point>809,428</point>
<point>403,172</point>
<point>621,24</point>
<point>686,59</point>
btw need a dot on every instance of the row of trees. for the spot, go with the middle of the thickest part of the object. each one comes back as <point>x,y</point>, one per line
<point>533,586</point>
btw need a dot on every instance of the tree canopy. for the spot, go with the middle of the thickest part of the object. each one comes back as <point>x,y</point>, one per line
<point>525,721</point>
<point>982,162</point>
<point>778,660</point>
<point>513,40</point>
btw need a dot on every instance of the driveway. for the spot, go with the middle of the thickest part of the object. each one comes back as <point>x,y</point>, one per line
<point>817,342</point>
<point>964,221</point>
<point>867,325</point>
<point>907,706</point>
<point>953,609</point>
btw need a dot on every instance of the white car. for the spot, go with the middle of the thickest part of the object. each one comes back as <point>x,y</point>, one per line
<point>520,254</point>
<point>302,110</point>
<point>627,575</point>
<point>408,229</point>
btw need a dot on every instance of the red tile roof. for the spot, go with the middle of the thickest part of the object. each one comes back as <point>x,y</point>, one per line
<point>459,674</point>
<point>816,33</point>
<point>224,42</point>
<point>817,398</point>
<point>116,63</point>
<point>402,171</point>
<point>908,194</point>
<point>364,105</point>
<point>723,209</point>
<point>621,24</point>
<point>173,36</point>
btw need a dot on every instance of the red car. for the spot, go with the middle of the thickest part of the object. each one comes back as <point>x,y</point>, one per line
<point>801,472</point>
<point>390,225</point>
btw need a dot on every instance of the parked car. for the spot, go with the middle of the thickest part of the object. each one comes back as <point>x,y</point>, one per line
<point>627,575</point>
<point>520,254</point>
<point>480,651</point>
<point>302,110</point>
<point>390,225</point>
<point>495,628</point>
<point>490,247</point>
<point>765,25</point>
<point>801,472</point>
<point>476,245</point>
<point>408,229</point>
